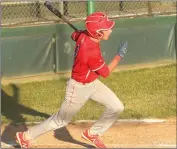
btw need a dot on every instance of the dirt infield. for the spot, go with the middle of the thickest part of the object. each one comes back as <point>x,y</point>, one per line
<point>120,135</point>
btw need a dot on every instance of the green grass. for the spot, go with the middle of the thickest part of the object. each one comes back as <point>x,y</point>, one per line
<point>146,93</point>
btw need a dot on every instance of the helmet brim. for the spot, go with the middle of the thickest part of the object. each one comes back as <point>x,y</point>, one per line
<point>109,24</point>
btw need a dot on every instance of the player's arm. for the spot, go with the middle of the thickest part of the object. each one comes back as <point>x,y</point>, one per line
<point>106,70</point>
<point>97,63</point>
<point>120,54</point>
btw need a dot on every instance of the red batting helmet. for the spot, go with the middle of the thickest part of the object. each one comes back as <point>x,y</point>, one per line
<point>97,22</point>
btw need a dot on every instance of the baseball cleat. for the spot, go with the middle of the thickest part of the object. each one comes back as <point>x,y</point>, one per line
<point>21,141</point>
<point>93,139</point>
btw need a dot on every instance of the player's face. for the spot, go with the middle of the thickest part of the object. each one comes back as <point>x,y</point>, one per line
<point>106,34</point>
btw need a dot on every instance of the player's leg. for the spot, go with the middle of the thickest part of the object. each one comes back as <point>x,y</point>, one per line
<point>75,97</point>
<point>113,105</point>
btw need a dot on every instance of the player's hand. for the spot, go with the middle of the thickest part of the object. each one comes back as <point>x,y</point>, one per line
<point>122,49</point>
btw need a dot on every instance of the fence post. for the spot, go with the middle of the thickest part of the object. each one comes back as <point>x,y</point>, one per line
<point>121,5</point>
<point>38,7</point>
<point>149,9</point>
<point>90,7</point>
<point>65,7</point>
<point>55,52</point>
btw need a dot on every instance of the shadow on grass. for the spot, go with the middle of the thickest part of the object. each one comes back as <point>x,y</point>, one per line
<point>13,110</point>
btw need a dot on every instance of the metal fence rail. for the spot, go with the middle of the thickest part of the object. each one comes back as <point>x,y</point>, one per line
<point>18,12</point>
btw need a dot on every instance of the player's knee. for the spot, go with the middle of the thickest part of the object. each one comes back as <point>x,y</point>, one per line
<point>118,108</point>
<point>121,108</point>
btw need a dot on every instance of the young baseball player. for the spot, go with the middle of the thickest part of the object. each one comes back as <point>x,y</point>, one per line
<point>88,66</point>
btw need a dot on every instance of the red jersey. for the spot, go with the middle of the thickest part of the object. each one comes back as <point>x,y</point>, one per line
<point>88,61</point>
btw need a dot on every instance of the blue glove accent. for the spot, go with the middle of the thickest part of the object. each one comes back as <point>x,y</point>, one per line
<point>122,49</point>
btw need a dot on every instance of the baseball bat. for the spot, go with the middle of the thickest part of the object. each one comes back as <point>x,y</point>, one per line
<point>58,14</point>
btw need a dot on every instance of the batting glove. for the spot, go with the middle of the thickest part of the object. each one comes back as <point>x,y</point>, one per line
<point>122,49</point>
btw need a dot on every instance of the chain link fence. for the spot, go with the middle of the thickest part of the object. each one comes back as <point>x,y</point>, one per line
<point>134,9</point>
<point>25,12</point>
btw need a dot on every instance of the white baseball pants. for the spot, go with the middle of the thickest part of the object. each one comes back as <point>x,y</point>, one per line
<point>76,96</point>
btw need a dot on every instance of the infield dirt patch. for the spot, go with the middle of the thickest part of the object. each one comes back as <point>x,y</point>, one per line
<point>120,135</point>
